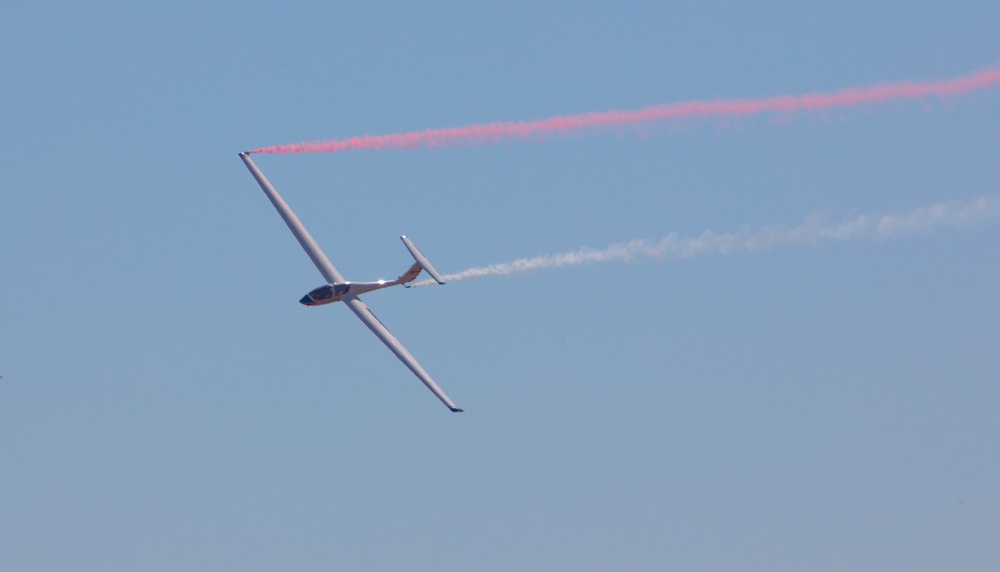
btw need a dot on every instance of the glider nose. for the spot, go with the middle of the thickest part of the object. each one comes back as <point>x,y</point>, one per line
<point>306,300</point>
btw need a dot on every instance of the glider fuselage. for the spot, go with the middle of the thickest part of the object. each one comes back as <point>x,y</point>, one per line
<point>330,293</point>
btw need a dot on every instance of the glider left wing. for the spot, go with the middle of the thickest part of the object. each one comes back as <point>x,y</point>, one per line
<point>305,239</point>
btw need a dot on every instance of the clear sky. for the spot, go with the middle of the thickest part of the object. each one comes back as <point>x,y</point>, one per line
<point>166,404</point>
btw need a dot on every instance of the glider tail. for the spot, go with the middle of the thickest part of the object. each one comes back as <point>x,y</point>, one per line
<point>411,274</point>
<point>422,261</point>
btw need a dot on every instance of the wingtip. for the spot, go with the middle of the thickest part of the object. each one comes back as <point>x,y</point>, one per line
<point>456,410</point>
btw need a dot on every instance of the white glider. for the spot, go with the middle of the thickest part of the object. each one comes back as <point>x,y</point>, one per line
<point>339,290</point>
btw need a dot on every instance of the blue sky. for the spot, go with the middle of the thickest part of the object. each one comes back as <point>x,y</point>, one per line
<point>166,404</point>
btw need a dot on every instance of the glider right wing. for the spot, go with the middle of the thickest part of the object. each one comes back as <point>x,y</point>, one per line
<point>390,341</point>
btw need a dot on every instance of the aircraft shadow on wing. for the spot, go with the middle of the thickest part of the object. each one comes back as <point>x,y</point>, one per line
<point>337,289</point>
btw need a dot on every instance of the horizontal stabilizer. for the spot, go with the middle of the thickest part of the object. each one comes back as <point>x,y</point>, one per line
<point>422,260</point>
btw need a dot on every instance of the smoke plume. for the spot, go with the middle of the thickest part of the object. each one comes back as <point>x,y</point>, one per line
<point>815,229</point>
<point>504,131</point>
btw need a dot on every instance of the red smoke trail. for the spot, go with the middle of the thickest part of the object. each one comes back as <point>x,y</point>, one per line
<point>506,131</point>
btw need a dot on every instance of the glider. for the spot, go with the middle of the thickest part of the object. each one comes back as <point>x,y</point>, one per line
<point>337,289</point>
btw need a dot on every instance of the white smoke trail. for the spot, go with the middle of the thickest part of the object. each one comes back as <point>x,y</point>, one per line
<point>815,229</point>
